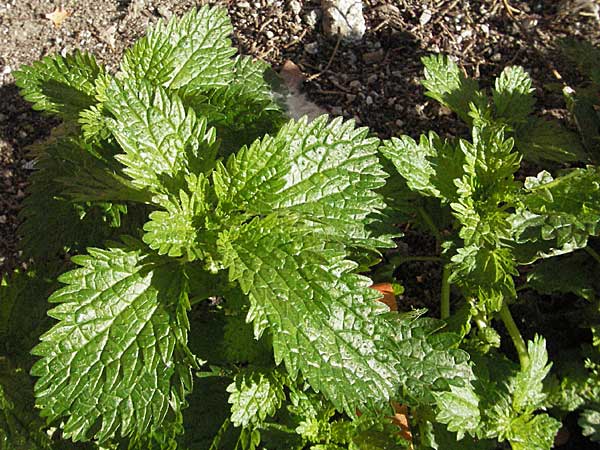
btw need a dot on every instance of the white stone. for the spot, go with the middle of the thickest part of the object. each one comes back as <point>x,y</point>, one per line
<point>343,19</point>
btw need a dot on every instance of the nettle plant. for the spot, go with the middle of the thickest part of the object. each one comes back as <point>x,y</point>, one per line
<point>498,224</point>
<point>212,299</point>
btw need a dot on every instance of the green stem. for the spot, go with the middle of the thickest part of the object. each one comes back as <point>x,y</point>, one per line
<point>593,253</point>
<point>445,301</point>
<point>431,225</point>
<point>515,335</point>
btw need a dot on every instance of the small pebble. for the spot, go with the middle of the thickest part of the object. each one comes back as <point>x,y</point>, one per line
<point>425,17</point>
<point>3,218</point>
<point>311,18</point>
<point>295,6</point>
<point>369,100</point>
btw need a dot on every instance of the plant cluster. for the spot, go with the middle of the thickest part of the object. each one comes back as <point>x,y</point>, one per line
<point>205,259</point>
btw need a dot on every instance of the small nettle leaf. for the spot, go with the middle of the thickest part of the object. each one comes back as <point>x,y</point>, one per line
<point>255,396</point>
<point>192,52</point>
<point>533,432</point>
<point>527,386</point>
<point>556,216</point>
<point>429,166</point>
<point>445,83</point>
<point>459,409</point>
<point>162,140</point>
<point>589,421</point>
<point>61,85</point>
<point>322,172</point>
<point>486,274</point>
<point>513,95</point>
<point>117,361</point>
<point>173,231</point>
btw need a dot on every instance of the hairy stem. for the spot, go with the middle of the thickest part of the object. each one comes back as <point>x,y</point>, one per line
<point>515,335</point>
<point>431,225</point>
<point>445,300</point>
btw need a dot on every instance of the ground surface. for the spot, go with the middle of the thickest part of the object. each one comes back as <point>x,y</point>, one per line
<point>375,81</point>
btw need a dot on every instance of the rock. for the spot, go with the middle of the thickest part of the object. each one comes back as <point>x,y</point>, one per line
<point>295,6</point>
<point>311,18</point>
<point>425,17</point>
<point>164,12</point>
<point>343,19</point>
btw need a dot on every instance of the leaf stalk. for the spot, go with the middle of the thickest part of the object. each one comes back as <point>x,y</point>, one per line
<point>515,335</point>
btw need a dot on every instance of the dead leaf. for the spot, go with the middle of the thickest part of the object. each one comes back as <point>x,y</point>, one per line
<point>292,75</point>
<point>400,419</point>
<point>389,298</point>
<point>58,16</point>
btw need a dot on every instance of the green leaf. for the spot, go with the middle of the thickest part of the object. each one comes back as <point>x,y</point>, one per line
<point>583,106</point>
<point>84,175</point>
<point>60,85</point>
<point>486,274</point>
<point>323,319</point>
<point>585,55</point>
<point>192,52</point>
<point>21,428</point>
<point>162,141</point>
<point>574,273</point>
<point>527,387</point>
<point>459,409</point>
<point>323,173</point>
<point>429,167</point>
<point>255,396</point>
<point>513,95</point>
<point>23,309</point>
<point>446,83</point>
<point>245,109</point>
<point>557,216</point>
<point>589,421</point>
<point>545,140</point>
<point>117,361</point>
<point>174,230</point>
<point>533,433</point>
<point>429,361</point>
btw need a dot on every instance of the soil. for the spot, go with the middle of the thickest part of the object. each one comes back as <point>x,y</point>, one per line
<point>375,81</point>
